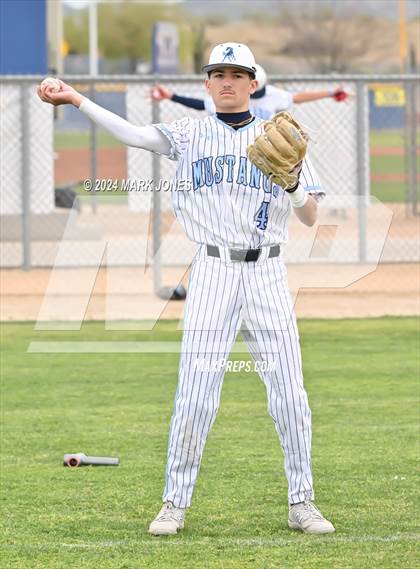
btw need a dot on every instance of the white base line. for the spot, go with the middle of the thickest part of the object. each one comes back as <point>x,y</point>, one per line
<point>240,542</point>
<point>119,347</point>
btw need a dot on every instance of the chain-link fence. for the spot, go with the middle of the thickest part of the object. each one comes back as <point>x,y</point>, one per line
<point>71,194</point>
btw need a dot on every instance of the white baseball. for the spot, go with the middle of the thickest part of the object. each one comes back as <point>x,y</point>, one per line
<point>53,83</point>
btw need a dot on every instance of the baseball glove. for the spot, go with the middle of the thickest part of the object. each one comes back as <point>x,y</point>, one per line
<point>279,151</point>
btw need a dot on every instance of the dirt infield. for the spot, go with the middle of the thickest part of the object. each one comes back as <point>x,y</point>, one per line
<point>389,151</point>
<point>73,165</point>
<point>389,177</point>
<point>389,290</point>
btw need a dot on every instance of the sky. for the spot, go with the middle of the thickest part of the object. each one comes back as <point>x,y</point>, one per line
<point>387,8</point>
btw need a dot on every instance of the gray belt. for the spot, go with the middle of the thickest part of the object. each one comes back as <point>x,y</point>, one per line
<point>246,255</point>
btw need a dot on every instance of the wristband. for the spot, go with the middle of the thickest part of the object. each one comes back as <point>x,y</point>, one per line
<point>299,197</point>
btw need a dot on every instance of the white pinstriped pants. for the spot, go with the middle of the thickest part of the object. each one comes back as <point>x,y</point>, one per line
<point>223,297</point>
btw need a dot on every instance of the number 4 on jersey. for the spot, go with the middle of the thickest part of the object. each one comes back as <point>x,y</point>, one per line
<point>261,217</point>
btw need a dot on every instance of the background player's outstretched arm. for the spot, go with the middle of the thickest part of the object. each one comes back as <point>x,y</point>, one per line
<point>338,94</point>
<point>146,137</point>
<point>159,93</point>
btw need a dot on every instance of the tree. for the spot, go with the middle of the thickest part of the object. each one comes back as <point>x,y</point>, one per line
<point>331,44</point>
<point>76,33</point>
<point>199,45</point>
<point>124,29</point>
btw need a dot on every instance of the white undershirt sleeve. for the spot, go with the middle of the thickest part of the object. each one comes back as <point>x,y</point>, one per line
<point>147,137</point>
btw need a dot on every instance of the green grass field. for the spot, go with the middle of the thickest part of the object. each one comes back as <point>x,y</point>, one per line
<point>362,380</point>
<point>81,139</point>
<point>389,191</point>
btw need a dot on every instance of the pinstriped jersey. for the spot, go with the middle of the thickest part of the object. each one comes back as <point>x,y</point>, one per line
<point>223,199</point>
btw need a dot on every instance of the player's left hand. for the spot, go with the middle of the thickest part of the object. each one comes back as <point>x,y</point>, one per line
<point>279,151</point>
<point>339,94</point>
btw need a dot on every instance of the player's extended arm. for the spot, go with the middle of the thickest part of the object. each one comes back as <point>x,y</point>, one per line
<point>147,137</point>
<point>159,93</point>
<point>338,94</point>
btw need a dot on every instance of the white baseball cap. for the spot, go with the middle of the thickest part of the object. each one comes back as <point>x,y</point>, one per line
<point>231,55</point>
<point>261,77</point>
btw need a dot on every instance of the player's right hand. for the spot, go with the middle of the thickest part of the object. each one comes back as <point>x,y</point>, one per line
<point>159,92</point>
<point>66,96</point>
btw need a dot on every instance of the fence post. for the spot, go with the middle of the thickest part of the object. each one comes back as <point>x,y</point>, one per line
<point>26,191</point>
<point>362,130</point>
<point>411,145</point>
<point>93,146</point>
<point>157,222</point>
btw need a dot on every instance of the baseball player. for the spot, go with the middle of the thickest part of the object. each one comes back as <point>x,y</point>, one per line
<point>264,103</point>
<point>237,216</point>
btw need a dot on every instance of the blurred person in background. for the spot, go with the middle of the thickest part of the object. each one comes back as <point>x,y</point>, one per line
<point>265,102</point>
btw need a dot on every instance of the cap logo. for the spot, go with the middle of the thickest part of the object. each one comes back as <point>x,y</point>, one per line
<point>228,54</point>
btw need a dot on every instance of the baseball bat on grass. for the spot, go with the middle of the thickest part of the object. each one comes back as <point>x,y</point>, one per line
<point>80,459</point>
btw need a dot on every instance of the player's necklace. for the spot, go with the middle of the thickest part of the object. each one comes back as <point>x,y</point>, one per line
<point>236,120</point>
<point>239,124</point>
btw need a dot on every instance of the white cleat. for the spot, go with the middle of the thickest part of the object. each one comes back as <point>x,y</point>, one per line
<point>168,521</point>
<point>306,517</point>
